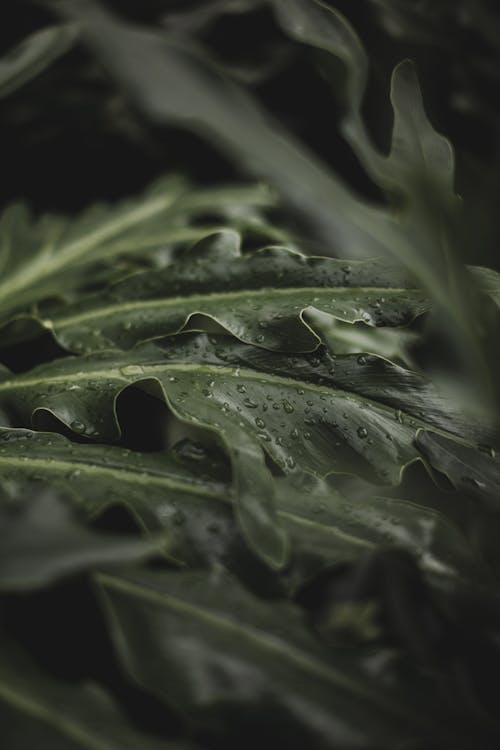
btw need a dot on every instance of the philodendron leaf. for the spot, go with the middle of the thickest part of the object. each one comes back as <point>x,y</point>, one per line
<point>33,55</point>
<point>36,710</point>
<point>260,298</point>
<point>41,541</point>
<point>192,500</point>
<point>317,412</point>
<point>54,255</point>
<point>237,665</point>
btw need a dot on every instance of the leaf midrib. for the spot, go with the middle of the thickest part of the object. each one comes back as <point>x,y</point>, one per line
<point>55,465</point>
<point>143,477</point>
<point>234,371</point>
<point>211,297</point>
<point>256,636</point>
<point>56,719</point>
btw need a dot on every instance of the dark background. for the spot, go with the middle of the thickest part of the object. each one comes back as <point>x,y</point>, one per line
<point>69,138</point>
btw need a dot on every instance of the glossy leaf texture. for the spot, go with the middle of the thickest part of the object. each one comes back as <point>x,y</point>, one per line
<point>262,298</point>
<point>54,256</point>
<point>296,406</point>
<point>36,710</point>
<point>33,55</point>
<point>316,413</point>
<point>188,495</point>
<point>233,661</point>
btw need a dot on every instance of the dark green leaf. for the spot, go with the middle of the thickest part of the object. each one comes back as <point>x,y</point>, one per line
<point>38,711</point>
<point>260,298</point>
<point>236,664</point>
<point>192,500</point>
<point>474,469</point>
<point>55,255</point>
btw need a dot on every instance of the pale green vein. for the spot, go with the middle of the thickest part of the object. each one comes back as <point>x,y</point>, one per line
<point>326,528</point>
<point>233,372</point>
<point>257,637</point>
<point>52,466</point>
<point>144,477</point>
<point>55,718</point>
<point>224,298</point>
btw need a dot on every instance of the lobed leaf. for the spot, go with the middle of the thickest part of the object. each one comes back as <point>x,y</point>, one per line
<point>191,498</point>
<point>234,662</point>
<point>261,298</point>
<point>55,255</point>
<point>318,413</point>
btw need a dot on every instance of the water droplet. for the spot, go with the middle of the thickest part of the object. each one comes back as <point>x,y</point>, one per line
<point>488,450</point>
<point>77,426</point>
<point>290,462</point>
<point>250,404</point>
<point>362,432</point>
<point>131,370</point>
<point>362,360</point>
<point>287,406</point>
<point>260,423</point>
<point>259,339</point>
<point>241,388</point>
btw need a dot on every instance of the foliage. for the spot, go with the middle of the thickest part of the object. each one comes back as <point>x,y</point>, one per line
<point>248,481</point>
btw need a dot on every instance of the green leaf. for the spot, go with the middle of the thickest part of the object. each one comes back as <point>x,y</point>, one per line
<point>55,255</point>
<point>347,338</point>
<point>420,168</point>
<point>172,82</point>
<point>473,469</point>
<point>39,711</point>
<point>33,55</point>
<point>295,408</point>
<point>191,497</point>
<point>236,663</point>
<point>260,298</point>
<point>41,541</point>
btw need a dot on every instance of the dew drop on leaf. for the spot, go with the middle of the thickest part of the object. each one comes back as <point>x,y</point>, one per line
<point>131,370</point>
